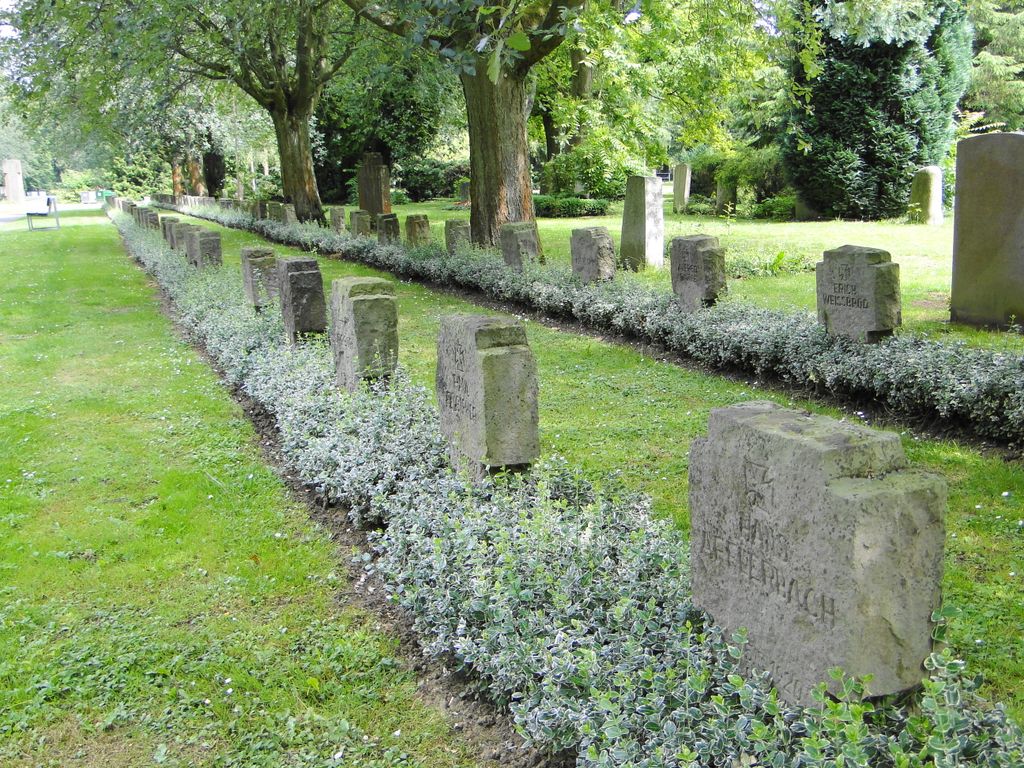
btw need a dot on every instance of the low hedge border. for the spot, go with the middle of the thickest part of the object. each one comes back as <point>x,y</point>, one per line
<point>977,391</point>
<point>565,601</point>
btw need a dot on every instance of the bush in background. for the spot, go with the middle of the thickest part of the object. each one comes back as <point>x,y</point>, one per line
<point>426,178</point>
<point>556,207</point>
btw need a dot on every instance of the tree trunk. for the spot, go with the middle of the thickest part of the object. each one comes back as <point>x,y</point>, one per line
<point>501,189</point>
<point>297,175</point>
<point>547,120</point>
<point>195,176</point>
<point>177,178</point>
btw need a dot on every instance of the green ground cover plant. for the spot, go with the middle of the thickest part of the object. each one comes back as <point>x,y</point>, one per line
<point>565,598</point>
<point>610,409</point>
<point>162,600</point>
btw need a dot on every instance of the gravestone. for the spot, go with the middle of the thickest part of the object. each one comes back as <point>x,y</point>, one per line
<point>14,180</point>
<point>698,271</point>
<point>858,293</point>
<point>275,211</point>
<point>364,329</point>
<point>152,219</point>
<point>725,198</point>
<point>681,187</point>
<point>593,254</point>
<point>456,231</point>
<point>463,191</point>
<point>487,392</point>
<point>814,535</point>
<point>417,230</point>
<point>166,223</point>
<point>988,231</point>
<point>374,180</point>
<point>520,243</point>
<point>179,233</point>
<point>926,196</point>
<point>259,275</point>
<point>203,248</point>
<point>338,219</point>
<point>301,292</point>
<point>258,209</point>
<point>359,224</point>
<point>388,229</point>
<point>289,214</point>
<point>643,224</point>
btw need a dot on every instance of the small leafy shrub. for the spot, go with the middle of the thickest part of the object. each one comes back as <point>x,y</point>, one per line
<point>599,164</point>
<point>427,178</point>
<point>699,205</point>
<point>563,600</point>
<point>398,197</point>
<point>781,207</point>
<point>556,207</point>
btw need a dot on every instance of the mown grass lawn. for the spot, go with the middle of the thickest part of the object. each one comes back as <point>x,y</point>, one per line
<point>162,600</point>
<point>925,256</point>
<point>608,408</point>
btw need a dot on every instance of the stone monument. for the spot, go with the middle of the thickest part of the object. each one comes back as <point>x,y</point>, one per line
<point>858,293</point>
<point>388,229</point>
<point>338,219</point>
<point>417,230</point>
<point>681,187</point>
<point>301,292</point>
<point>593,254</point>
<point>725,198</point>
<point>364,329</point>
<point>815,536</point>
<point>203,248</point>
<point>520,243</point>
<point>643,224</point>
<point>359,224</point>
<point>487,392</point>
<point>698,271</point>
<point>374,181</point>
<point>926,197</point>
<point>259,276</point>
<point>988,231</point>
<point>456,231</point>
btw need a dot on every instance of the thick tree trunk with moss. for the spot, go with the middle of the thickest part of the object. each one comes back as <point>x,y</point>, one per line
<point>195,176</point>
<point>297,177</point>
<point>501,189</point>
<point>177,178</point>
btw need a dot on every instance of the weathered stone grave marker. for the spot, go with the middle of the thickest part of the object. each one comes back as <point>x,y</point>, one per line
<point>698,271</point>
<point>203,248</point>
<point>166,222</point>
<point>926,196</point>
<point>388,229</point>
<point>275,211</point>
<point>338,219</point>
<point>813,535</point>
<point>301,292</point>
<point>417,230</point>
<point>858,293</point>
<point>179,235</point>
<point>593,254</point>
<point>643,224</point>
<point>374,181</point>
<point>259,275</point>
<point>681,187</point>
<point>520,243</point>
<point>487,392</point>
<point>364,329</point>
<point>359,224</point>
<point>726,197</point>
<point>988,231</point>
<point>456,231</point>
<point>288,211</point>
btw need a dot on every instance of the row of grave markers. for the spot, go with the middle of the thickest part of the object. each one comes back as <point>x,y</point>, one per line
<point>813,534</point>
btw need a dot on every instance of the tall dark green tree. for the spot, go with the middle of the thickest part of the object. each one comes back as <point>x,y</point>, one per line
<point>882,105</point>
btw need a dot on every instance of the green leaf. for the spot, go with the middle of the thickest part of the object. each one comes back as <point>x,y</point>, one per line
<point>519,41</point>
<point>494,65</point>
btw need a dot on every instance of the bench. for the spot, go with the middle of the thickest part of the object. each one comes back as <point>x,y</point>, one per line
<point>51,208</point>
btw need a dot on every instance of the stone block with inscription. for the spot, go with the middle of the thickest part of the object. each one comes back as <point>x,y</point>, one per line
<point>359,224</point>
<point>456,231</point>
<point>179,235</point>
<point>389,231</point>
<point>364,329</point>
<point>301,292</point>
<point>858,293</point>
<point>166,222</point>
<point>417,230</point>
<point>593,254</point>
<point>487,392</point>
<point>681,187</point>
<point>698,271</point>
<point>203,248</point>
<point>374,183</point>
<point>520,243</point>
<point>259,275</point>
<point>814,535</point>
<point>643,224</point>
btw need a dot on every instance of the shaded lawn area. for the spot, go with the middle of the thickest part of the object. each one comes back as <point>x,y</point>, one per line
<point>609,408</point>
<point>925,256</point>
<point>162,600</point>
